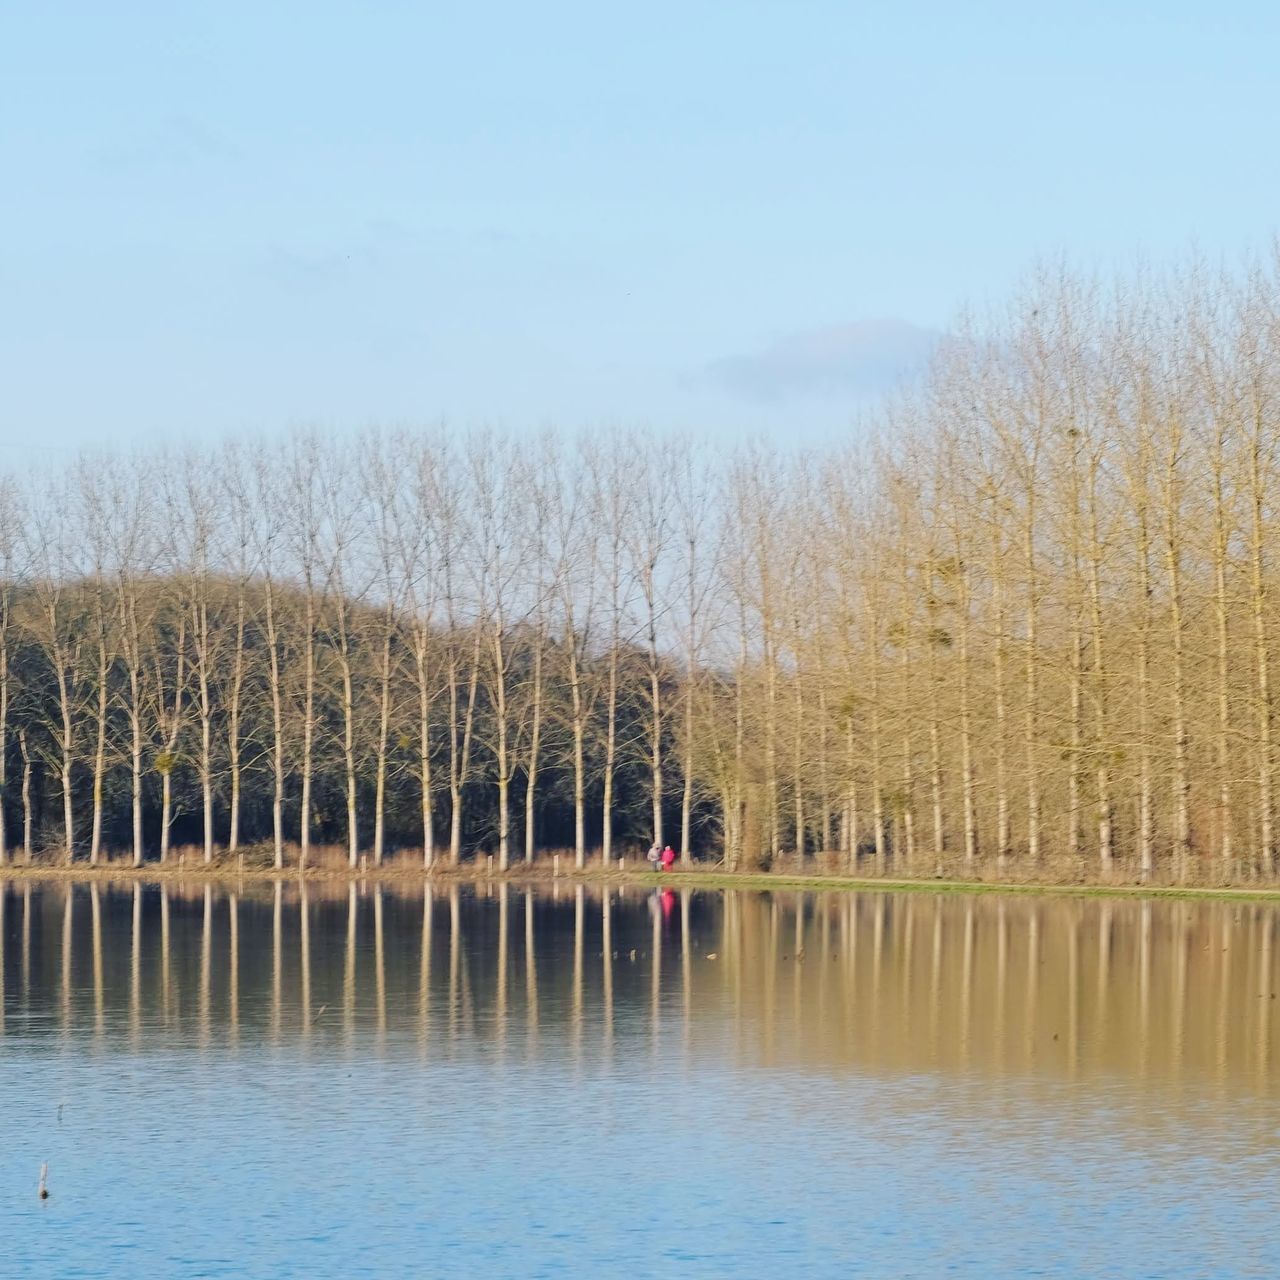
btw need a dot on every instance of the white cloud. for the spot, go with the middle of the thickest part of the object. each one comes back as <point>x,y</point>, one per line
<point>863,358</point>
<point>174,141</point>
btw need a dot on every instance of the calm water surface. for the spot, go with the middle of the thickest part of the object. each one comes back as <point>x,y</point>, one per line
<point>456,1083</point>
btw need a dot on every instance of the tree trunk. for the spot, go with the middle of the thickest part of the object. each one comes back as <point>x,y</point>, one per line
<point>579,758</point>
<point>737,828</point>
<point>849,824</point>
<point>1261,656</point>
<point>504,765</point>
<point>1102,745</point>
<point>308,729</point>
<point>774,809</point>
<point>460,760</point>
<point>1173,565</point>
<point>384,724</point>
<point>135,756</point>
<point>171,740</point>
<point>686,790</point>
<point>1076,746</point>
<point>610,757</point>
<point>967,780</point>
<point>28,816</point>
<point>100,747</point>
<point>206,726</point>
<point>935,742</point>
<point>877,749</point>
<point>67,757</point>
<point>1032,709</point>
<point>1146,821</point>
<point>655,731</point>
<point>233,722</point>
<point>535,745</point>
<point>797,764</point>
<point>999,695</point>
<point>1223,671</point>
<point>424,747</point>
<point>348,737</point>
<point>277,727</point>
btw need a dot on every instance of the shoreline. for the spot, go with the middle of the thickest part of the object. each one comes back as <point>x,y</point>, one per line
<point>400,873</point>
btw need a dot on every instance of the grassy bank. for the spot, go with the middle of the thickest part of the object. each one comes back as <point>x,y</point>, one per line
<point>404,871</point>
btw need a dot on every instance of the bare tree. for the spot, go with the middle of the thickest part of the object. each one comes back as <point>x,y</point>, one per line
<point>383,498</point>
<point>10,545</point>
<point>192,516</point>
<point>463,651</point>
<point>612,504</point>
<point>348,578</point>
<point>693,499</point>
<point>574,521</point>
<point>305,517</point>
<point>421,534</point>
<point>269,559</point>
<point>58,627</point>
<point>649,535</point>
<point>241,557</point>
<point>499,560</point>
<point>136,598</point>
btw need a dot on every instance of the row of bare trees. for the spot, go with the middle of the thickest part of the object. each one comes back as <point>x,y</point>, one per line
<point>415,640</point>
<point>1028,614</point>
<point>1053,587</point>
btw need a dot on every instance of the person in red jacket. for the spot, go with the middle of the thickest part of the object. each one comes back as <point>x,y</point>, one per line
<point>668,858</point>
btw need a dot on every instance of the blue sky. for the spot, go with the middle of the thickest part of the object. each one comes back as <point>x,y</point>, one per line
<point>235,218</point>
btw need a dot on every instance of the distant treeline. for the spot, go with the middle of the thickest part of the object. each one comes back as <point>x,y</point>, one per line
<point>1028,612</point>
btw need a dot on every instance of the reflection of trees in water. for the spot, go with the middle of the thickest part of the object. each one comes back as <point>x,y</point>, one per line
<point>1175,992</point>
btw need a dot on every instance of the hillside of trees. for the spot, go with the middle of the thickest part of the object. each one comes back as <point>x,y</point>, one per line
<point>1029,612</point>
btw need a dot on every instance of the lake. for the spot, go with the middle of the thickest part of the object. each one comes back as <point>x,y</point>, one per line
<point>338,1080</point>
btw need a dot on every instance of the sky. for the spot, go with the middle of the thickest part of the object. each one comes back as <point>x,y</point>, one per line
<point>746,217</point>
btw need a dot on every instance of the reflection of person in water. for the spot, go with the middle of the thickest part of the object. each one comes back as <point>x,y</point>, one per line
<point>662,902</point>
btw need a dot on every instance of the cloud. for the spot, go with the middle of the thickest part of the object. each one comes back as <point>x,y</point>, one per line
<point>298,270</point>
<point>174,141</point>
<point>864,358</point>
<point>356,255</point>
